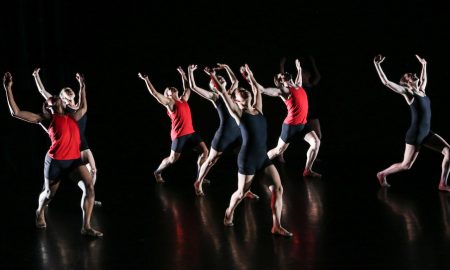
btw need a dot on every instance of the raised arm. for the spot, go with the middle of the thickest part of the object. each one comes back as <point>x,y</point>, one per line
<point>269,91</point>
<point>423,73</point>
<point>234,81</point>
<point>13,108</point>
<point>202,92</point>
<point>256,88</point>
<point>82,105</point>
<point>186,89</point>
<point>39,84</point>
<point>298,79</point>
<point>159,97</point>
<point>391,85</point>
<point>233,109</point>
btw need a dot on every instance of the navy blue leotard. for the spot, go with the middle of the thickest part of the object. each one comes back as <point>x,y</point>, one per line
<point>228,132</point>
<point>253,154</point>
<point>420,120</point>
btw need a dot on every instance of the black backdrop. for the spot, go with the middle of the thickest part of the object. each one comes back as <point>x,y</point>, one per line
<point>363,122</point>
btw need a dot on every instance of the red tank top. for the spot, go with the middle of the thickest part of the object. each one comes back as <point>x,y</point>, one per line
<point>181,120</point>
<point>297,106</point>
<point>65,137</point>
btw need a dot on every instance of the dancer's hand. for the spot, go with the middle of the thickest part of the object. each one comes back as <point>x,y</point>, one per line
<point>421,60</point>
<point>221,66</point>
<point>378,59</point>
<point>181,71</point>
<point>297,64</point>
<point>192,67</point>
<point>7,80</point>
<point>143,76</point>
<point>80,78</point>
<point>36,72</point>
<point>209,71</point>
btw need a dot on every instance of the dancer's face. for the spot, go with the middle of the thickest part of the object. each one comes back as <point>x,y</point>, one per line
<point>67,97</point>
<point>409,79</point>
<point>171,92</point>
<point>241,98</point>
<point>222,82</point>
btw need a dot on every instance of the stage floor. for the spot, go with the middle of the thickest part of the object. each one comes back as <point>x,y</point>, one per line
<point>342,221</point>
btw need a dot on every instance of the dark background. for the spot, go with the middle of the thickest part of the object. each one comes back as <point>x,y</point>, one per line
<point>363,122</point>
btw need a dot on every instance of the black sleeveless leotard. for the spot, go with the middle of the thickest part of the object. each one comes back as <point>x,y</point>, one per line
<point>420,120</point>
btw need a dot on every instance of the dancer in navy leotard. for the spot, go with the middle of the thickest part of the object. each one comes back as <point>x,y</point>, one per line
<point>182,130</point>
<point>412,89</point>
<point>67,95</point>
<point>228,132</point>
<point>64,153</point>
<point>252,155</point>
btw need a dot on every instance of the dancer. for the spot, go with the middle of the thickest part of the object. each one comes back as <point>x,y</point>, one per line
<point>252,155</point>
<point>182,131</point>
<point>68,97</point>
<point>294,96</point>
<point>228,132</point>
<point>64,153</point>
<point>412,88</point>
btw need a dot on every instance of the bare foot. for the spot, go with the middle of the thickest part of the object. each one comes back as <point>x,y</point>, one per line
<point>40,220</point>
<point>198,189</point>
<point>281,231</point>
<point>158,178</point>
<point>444,188</point>
<point>311,173</point>
<point>251,195</point>
<point>228,220</point>
<point>382,179</point>
<point>91,232</point>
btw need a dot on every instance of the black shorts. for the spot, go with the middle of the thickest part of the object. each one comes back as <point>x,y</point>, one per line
<point>56,169</point>
<point>223,139</point>
<point>249,166</point>
<point>179,143</point>
<point>288,132</point>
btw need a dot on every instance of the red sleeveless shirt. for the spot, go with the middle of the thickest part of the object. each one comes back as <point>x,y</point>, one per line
<point>297,106</point>
<point>65,137</point>
<point>181,120</point>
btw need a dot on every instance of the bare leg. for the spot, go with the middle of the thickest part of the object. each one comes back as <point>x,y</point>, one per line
<point>278,150</point>
<point>204,169</point>
<point>171,159</point>
<point>438,144</point>
<point>202,157</point>
<point>410,155</point>
<point>276,202</point>
<point>48,191</point>
<point>311,155</point>
<point>87,202</point>
<point>244,182</point>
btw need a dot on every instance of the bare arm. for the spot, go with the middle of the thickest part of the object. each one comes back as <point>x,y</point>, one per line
<point>186,89</point>
<point>423,74</point>
<point>234,81</point>
<point>256,88</point>
<point>298,79</point>
<point>233,109</point>
<point>202,92</point>
<point>391,85</point>
<point>159,97</point>
<point>13,108</point>
<point>40,85</point>
<point>82,105</point>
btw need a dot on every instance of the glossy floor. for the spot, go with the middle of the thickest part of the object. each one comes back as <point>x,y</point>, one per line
<point>342,221</point>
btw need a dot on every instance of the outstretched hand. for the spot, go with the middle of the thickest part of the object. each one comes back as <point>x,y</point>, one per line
<point>297,64</point>
<point>7,80</point>
<point>221,66</point>
<point>181,71</point>
<point>143,76</point>
<point>36,72</point>
<point>378,59</point>
<point>421,60</point>
<point>209,71</point>
<point>192,67</point>
<point>80,78</point>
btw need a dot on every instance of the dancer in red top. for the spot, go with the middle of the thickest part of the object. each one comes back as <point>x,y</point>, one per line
<point>64,153</point>
<point>296,100</point>
<point>182,131</point>
<point>67,95</point>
